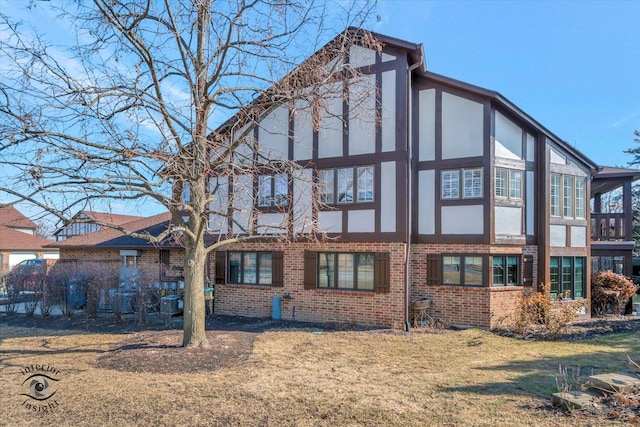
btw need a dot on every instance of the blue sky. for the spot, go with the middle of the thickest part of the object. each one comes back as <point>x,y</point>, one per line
<point>572,65</point>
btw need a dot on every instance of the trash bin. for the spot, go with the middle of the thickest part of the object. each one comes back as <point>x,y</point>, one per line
<point>169,305</point>
<point>276,308</point>
<point>76,295</point>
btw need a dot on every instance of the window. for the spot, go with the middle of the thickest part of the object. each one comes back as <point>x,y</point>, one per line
<point>462,270</point>
<point>580,198</point>
<point>515,184</point>
<point>451,184</point>
<point>506,270</point>
<point>567,277</point>
<point>568,196</point>
<point>253,268</point>
<point>555,195</point>
<point>508,183</point>
<point>346,271</point>
<point>340,185</point>
<point>273,190</point>
<point>501,182</point>
<point>471,184</point>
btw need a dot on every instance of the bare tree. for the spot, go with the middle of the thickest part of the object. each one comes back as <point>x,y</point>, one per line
<point>131,111</point>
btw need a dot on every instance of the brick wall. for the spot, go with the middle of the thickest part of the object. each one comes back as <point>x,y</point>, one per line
<point>317,305</point>
<point>466,305</point>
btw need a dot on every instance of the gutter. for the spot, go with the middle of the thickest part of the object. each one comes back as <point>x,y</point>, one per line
<point>407,255</point>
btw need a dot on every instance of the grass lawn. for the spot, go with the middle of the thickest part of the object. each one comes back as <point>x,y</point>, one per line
<point>302,378</point>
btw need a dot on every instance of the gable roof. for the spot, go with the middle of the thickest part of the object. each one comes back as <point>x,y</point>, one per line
<point>14,240</point>
<point>11,217</point>
<point>116,239</point>
<point>101,217</point>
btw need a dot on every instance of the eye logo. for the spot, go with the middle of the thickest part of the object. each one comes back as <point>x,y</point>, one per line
<point>39,388</point>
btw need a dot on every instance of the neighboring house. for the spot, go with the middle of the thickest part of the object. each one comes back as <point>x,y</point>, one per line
<point>18,240</point>
<point>456,195</point>
<point>136,258</point>
<point>85,222</point>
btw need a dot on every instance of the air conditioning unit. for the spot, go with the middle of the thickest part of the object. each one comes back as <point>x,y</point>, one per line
<point>169,305</point>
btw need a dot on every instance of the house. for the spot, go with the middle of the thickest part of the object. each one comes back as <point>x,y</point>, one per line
<point>18,239</point>
<point>454,195</point>
<point>137,259</point>
<point>85,222</point>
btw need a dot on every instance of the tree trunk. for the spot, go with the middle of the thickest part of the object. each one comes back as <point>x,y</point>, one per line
<point>194,308</point>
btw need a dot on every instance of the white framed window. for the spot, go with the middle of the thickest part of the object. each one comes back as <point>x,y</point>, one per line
<point>555,194</point>
<point>365,183</point>
<point>273,190</point>
<point>472,183</point>
<point>346,185</point>
<point>515,184</point>
<point>580,198</point>
<point>501,182</point>
<point>326,183</point>
<point>568,195</point>
<point>450,184</point>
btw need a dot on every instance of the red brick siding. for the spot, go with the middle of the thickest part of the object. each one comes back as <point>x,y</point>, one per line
<point>465,305</point>
<point>316,305</point>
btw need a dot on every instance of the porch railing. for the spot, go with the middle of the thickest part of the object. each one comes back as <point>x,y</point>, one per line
<point>607,226</point>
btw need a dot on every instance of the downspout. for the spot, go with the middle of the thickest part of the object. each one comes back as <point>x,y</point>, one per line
<point>407,255</point>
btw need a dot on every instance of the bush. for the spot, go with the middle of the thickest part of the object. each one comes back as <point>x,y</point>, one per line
<point>539,310</point>
<point>610,292</point>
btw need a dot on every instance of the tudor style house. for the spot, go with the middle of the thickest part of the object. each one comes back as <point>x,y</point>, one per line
<point>452,194</point>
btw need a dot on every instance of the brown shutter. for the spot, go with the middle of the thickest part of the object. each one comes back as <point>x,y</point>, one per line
<point>277,269</point>
<point>434,269</point>
<point>310,269</point>
<point>382,273</point>
<point>221,267</point>
<point>527,271</point>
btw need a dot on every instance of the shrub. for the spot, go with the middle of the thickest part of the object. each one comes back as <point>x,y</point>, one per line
<point>539,310</point>
<point>610,292</point>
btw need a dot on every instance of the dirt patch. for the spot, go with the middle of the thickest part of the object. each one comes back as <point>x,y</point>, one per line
<point>161,352</point>
<point>582,330</point>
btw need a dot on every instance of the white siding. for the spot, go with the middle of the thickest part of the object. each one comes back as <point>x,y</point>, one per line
<point>302,131</point>
<point>361,56</point>
<point>558,236</point>
<point>462,127</point>
<point>508,137</point>
<point>557,157</point>
<point>330,221</point>
<point>302,197</point>
<point>427,124</point>
<point>388,112</point>
<point>218,220</point>
<point>386,57</point>
<point>530,204</point>
<point>426,198</point>
<point>242,203</point>
<point>18,257</point>
<point>531,148</point>
<point>578,236</point>
<point>362,221</point>
<point>330,132</point>
<point>508,221</point>
<point>272,223</point>
<point>388,198</point>
<point>362,115</point>
<point>273,135</point>
<point>463,219</point>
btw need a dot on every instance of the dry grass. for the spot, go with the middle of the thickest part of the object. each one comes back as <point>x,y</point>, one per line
<point>303,378</point>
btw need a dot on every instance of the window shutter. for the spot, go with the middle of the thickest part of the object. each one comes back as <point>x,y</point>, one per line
<point>277,269</point>
<point>221,267</point>
<point>527,271</point>
<point>382,273</point>
<point>310,269</point>
<point>434,269</point>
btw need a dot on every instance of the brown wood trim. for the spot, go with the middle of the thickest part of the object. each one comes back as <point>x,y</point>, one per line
<point>382,273</point>
<point>310,269</point>
<point>277,269</point>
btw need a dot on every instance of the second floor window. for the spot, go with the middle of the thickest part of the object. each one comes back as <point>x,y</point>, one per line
<point>346,185</point>
<point>273,190</point>
<point>508,183</point>
<point>470,186</point>
<point>568,196</point>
